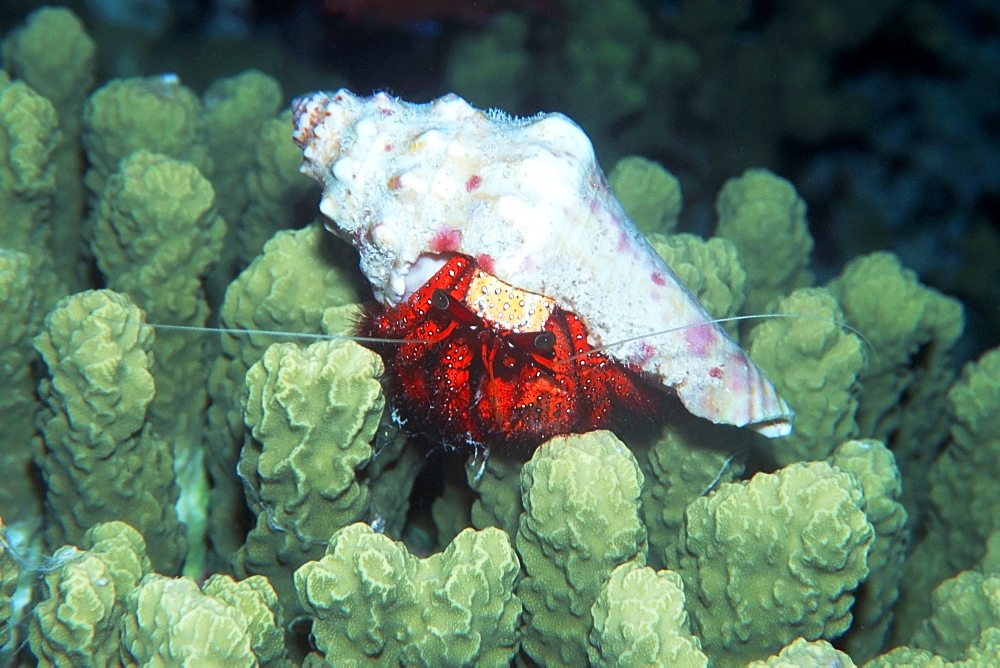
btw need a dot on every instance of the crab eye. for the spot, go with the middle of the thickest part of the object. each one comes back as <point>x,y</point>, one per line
<point>440,300</point>
<point>545,342</point>
<point>541,343</point>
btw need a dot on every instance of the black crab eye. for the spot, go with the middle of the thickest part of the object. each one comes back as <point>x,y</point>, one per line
<point>545,342</point>
<point>542,343</point>
<point>440,300</point>
<point>455,308</point>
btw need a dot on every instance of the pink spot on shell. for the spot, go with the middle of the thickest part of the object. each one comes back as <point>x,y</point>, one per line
<point>646,351</point>
<point>738,379</point>
<point>474,182</point>
<point>446,240</point>
<point>388,147</point>
<point>715,372</point>
<point>701,340</point>
<point>486,263</point>
<point>658,279</point>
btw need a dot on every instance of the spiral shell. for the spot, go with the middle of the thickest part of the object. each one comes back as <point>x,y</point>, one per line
<point>409,184</point>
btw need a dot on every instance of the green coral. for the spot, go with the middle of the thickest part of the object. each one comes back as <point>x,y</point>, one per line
<point>312,415</point>
<point>156,232</point>
<point>53,54</point>
<point>153,113</point>
<point>802,653</point>
<point>610,64</point>
<point>255,599</point>
<point>497,483</point>
<point>103,605</point>
<point>962,627</point>
<point>29,136</point>
<point>155,235</point>
<point>78,620</point>
<point>273,184</point>
<point>288,288</point>
<point>909,657</point>
<point>650,194</point>
<point>874,465</point>
<point>235,109</point>
<point>904,320</point>
<point>450,511</point>
<point>984,651</point>
<point>390,476</point>
<point>581,520</point>
<point>29,143</point>
<point>814,363</point>
<point>171,622</point>
<point>773,558</point>
<point>967,505</point>
<point>688,459</point>
<point>962,608</point>
<point>639,619</point>
<point>609,46</point>
<point>766,220</point>
<point>100,458</point>
<point>20,318</point>
<point>373,602</point>
<point>902,395</point>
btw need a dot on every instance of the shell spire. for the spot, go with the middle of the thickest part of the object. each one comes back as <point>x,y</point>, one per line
<point>411,184</point>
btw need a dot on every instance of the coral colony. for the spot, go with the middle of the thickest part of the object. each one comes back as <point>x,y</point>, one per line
<point>237,500</point>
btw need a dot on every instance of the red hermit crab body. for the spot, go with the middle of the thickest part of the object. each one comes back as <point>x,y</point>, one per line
<point>495,365</point>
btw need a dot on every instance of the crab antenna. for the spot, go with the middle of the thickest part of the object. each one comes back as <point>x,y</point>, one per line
<point>238,331</point>
<point>735,318</point>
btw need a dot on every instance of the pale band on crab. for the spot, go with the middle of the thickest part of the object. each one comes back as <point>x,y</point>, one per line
<point>408,184</point>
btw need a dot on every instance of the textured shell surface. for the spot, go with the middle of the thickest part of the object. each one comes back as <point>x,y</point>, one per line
<point>408,184</point>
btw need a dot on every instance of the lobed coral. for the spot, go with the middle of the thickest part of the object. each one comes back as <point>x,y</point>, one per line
<point>571,541</point>
<point>312,416</point>
<point>770,559</point>
<point>101,458</point>
<point>758,553</point>
<point>374,602</point>
<point>639,618</point>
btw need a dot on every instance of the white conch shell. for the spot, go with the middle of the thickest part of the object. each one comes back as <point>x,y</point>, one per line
<point>410,182</point>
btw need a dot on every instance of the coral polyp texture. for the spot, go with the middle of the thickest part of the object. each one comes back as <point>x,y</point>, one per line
<point>374,601</point>
<point>255,497</point>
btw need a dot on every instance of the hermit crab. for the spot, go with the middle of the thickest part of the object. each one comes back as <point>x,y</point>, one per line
<point>523,293</point>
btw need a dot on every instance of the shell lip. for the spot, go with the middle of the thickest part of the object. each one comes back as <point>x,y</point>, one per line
<point>775,427</point>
